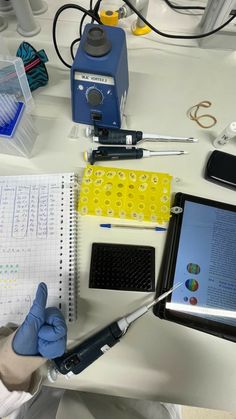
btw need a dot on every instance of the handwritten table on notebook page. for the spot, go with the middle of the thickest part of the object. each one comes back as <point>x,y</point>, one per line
<point>37,243</point>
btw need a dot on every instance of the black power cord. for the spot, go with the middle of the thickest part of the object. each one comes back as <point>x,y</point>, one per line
<point>94,16</point>
<point>72,46</point>
<point>173,6</point>
<point>93,13</point>
<point>168,35</point>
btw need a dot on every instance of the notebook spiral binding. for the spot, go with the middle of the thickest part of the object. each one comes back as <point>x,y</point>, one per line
<point>73,247</point>
<point>70,192</point>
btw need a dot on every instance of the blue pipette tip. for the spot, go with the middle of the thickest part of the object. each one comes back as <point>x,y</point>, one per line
<point>160,229</point>
<point>105,225</point>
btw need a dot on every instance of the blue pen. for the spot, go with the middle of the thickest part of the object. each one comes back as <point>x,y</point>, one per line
<point>133,226</point>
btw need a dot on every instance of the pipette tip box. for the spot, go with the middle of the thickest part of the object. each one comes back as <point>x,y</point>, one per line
<point>17,137</point>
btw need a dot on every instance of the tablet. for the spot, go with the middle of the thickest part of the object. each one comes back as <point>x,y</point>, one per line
<point>200,254</point>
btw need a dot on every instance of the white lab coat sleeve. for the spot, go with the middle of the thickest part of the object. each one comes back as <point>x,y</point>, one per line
<point>19,376</point>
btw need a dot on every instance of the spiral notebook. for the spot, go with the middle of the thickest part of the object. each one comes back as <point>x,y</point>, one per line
<point>38,242</point>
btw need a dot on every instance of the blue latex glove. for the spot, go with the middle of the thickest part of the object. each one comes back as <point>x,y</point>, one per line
<point>43,331</point>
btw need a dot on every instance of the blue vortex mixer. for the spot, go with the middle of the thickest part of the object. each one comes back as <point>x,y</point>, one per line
<point>99,77</point>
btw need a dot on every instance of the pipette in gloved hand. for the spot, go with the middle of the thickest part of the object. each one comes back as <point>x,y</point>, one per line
<point>104,153</point>
<point>83,355</point>
<point>114,136</point>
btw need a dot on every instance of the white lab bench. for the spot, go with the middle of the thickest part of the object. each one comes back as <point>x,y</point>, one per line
<point>156,359</point>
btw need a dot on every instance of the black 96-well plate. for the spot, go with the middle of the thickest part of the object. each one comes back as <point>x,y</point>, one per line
<point>122,267</point>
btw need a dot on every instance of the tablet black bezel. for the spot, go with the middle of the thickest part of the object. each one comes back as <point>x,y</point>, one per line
<point>167,271</point>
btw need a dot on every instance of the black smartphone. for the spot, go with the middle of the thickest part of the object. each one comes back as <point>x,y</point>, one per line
<point>221,168</point>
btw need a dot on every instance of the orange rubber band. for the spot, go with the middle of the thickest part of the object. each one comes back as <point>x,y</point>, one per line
<point>192,114</point>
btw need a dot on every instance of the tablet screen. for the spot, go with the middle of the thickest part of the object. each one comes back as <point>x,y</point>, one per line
<point>206,264</point>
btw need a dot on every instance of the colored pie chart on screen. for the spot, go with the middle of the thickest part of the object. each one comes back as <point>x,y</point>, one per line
<point>193,301</point>
<point>193,268</point>
<point>192,284</point>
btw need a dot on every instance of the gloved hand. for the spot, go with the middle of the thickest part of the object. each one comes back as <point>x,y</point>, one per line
<point>43,331</point>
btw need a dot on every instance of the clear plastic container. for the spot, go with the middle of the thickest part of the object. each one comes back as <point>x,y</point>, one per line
<point>17,131</point>
<point>13,80</point>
